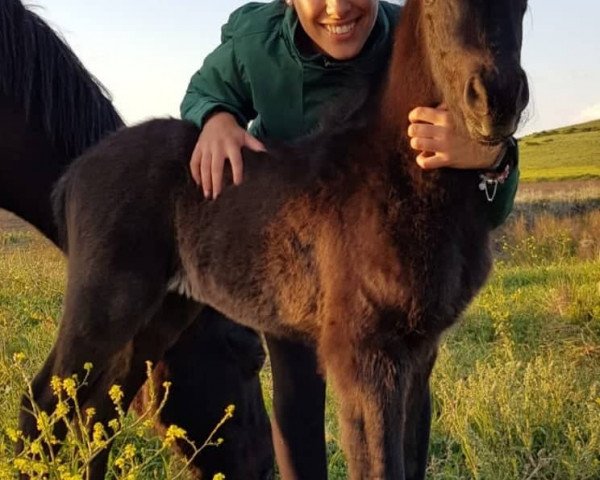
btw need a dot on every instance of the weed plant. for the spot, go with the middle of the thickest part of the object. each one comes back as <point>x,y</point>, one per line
<point>50,458</point>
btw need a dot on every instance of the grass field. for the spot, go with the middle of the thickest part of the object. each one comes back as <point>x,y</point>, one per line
<point>568,153</point>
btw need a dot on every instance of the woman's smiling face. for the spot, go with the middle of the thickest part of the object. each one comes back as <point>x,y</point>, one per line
<point>337,28</point>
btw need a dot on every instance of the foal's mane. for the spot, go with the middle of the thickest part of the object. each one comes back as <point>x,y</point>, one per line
<point>46,79</point>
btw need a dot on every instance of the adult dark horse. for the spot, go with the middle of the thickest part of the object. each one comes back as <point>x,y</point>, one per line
<point>340,240</point>
<point>51,109</point>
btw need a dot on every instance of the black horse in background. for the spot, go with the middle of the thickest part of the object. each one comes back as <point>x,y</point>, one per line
<point>51,110</point>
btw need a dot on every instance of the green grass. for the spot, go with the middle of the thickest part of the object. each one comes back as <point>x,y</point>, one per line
<point>569,153</point>
<point>516,388</point>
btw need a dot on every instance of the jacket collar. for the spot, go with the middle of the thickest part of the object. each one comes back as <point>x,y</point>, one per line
<point>372,58</point>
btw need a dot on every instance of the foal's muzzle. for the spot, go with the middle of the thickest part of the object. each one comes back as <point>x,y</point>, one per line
<point>494,102</point>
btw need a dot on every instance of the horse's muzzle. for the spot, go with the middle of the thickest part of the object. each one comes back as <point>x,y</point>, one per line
<point>494,102</point>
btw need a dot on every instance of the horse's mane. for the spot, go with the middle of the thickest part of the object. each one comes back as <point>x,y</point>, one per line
<point>43,75</point>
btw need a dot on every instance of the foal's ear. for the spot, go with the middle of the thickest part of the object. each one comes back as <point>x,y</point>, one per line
<point>245,347</point>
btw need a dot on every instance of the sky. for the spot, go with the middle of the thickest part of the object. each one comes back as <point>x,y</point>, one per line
<point>145,51</point>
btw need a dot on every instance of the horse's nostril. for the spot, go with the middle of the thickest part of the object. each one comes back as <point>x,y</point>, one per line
<point>476,96</point>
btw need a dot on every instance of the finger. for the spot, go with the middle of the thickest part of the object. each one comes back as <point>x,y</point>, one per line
<point>253,143</point>
<point>205,170</point>
<point>216,170</point>
<point>435,116</point>
<point>429,162</point>
<point>195,163</point>
<point>424,130</point>
<point>237,165</point>
<point>425,144</point>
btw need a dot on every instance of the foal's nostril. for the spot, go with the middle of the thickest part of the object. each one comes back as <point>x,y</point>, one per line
<point>476,96</point>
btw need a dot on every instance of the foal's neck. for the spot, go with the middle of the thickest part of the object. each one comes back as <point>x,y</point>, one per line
<point>409,82</point>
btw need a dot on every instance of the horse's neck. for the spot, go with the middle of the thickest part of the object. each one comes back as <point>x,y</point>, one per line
<point>409,82</point>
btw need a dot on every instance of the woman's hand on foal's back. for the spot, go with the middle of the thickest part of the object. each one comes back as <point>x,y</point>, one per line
<point>433,133</point>
<point>220,139</point>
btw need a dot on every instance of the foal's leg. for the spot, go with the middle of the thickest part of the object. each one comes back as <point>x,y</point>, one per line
<point>162,332</point>
<point>299,410</point>
<point>371,388</point>
<point>104,309</point>
<point>418,426</point>
<point>373,378</point>
<point>418,421</point>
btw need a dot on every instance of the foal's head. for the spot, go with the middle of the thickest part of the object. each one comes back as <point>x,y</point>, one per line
<point>474,50</point>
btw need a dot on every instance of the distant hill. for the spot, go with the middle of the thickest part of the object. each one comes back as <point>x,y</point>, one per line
<point>568,153</point>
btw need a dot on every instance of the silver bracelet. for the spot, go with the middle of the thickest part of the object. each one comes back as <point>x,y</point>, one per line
<point>490,178</point>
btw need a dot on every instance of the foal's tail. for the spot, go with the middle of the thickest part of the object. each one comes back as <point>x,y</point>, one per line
<point>58,198</point>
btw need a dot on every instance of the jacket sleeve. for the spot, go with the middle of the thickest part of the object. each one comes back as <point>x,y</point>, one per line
<point>502,205</point>
<point>220,84</point>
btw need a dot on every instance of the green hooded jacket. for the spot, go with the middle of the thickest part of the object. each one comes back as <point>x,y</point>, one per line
<point>259,75</point>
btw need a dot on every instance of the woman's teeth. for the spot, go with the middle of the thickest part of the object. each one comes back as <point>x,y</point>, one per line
<point>340,29</point>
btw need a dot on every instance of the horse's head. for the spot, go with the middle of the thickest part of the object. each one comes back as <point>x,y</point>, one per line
<point>217,361</point>
<point>474,50</point>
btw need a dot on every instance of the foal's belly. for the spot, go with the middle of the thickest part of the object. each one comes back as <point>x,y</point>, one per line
<point>253,303</point>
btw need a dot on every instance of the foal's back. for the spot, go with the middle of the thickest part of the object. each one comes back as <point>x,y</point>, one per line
<point>132,207</point>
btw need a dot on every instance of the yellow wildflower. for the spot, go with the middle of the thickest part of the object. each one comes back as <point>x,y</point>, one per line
<point>218,476</point>
<point>98,435</point>
<point>61,409</point>
<point>35,447</point>
<point>19,357</point>
<point>129,451</point>
<point>56,385</point>
<point>40,469</point>
<point>13,434</point>
<point>71,476</point>
<point>42,422</point>
<point>120,463</point>
<point>173,432</point>
<point>70,387</point>
<point>114,425</point>
<point>229,411</point>
<point>21,464</point>
<point>116,394</point>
